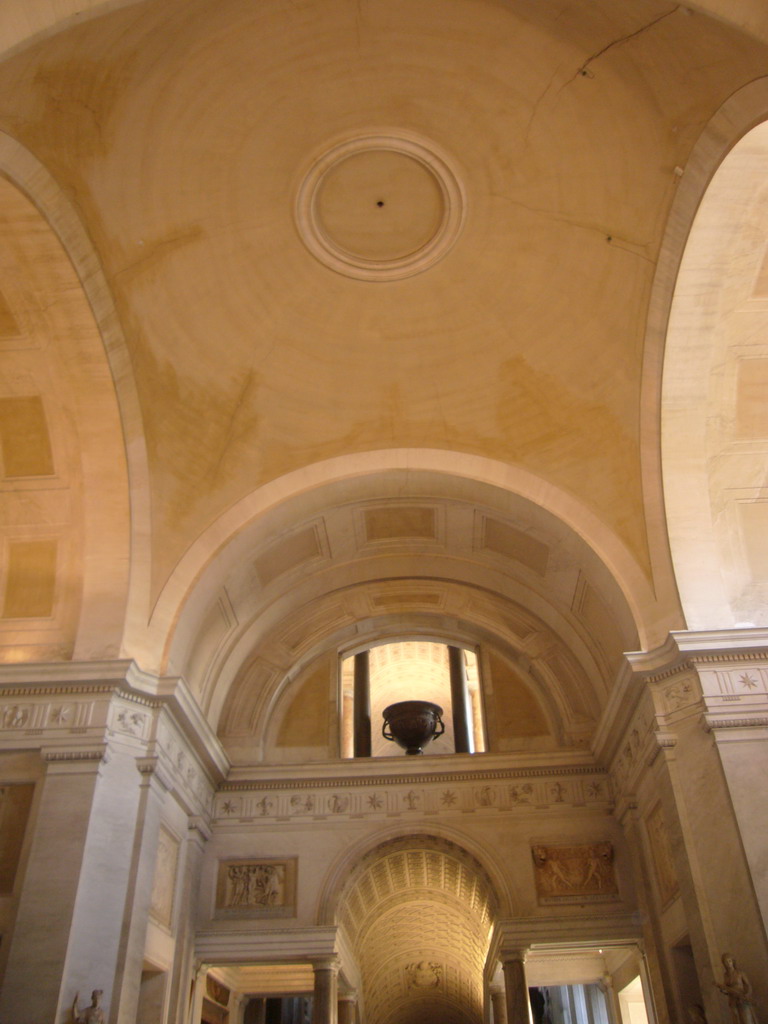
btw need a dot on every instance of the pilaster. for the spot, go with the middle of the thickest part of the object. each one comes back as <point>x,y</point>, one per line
<point>44,923</point>
<point>688,750</point>
<point>114,742</point>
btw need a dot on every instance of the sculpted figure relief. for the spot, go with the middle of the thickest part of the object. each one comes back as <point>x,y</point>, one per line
<point>739,991</point>
<point>574,870</point>
<point>92,1014</point>
<point>255,885</point>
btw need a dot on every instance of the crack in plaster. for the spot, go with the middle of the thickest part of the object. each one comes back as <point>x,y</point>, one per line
<point>584,69</point>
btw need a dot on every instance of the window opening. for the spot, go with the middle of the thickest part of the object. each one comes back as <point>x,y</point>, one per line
<point>410,670</point>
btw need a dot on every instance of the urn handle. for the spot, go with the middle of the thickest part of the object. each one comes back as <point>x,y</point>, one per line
<point>441,723</point>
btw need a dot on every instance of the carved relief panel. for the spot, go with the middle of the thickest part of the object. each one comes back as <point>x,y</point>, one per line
<point>574,874</point>
<point>256,888</point>
<point>664,868</point>
<point>164,886</point>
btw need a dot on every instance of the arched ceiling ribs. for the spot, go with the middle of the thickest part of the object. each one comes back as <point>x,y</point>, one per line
<point>419,911</point>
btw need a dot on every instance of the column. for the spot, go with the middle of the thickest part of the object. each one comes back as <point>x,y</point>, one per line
<point>237,1004</point>
<point>611,998</point>
<point>362,706</point>
<point>499,1005</point>
<point>256,1010</point>
<point>347,1007</point>
<point>325,1004</point>
<point>198,993</point>
<point>515,987</point>
<point>462,734</point>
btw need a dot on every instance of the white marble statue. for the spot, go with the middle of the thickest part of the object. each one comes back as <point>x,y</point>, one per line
<point>92,1014</point>
<point>738,989</point>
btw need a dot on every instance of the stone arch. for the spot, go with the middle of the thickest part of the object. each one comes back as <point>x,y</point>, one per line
<point>713,424</point>
<point>214,556</point>
<point>419,910</point>
<point>90,374</point>
<point>361,853</point>
<point>570,698</point>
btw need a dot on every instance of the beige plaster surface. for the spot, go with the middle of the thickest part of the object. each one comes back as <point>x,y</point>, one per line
<point>237,462</point>
<point>185,203</point>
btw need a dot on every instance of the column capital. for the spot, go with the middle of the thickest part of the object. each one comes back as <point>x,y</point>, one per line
<point>508,956</point>
<point>198,830</point>
<point>326,963</point>
<point>200,970</point>
<point>154,772</point>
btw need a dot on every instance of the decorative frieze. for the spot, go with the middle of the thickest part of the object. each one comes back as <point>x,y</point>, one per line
<point>32,717</point>
<point>130,722</point>
<point>680,693</point>
<point>736,683</point>
<point>184,768</point>
<point>340,798</point>
<point>638,747</point>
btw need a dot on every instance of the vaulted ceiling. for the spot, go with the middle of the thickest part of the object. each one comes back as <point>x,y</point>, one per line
<point>419,912</point>
<point>368,260</point>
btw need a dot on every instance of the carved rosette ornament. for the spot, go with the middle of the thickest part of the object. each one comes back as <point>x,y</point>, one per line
<point>424,974</point>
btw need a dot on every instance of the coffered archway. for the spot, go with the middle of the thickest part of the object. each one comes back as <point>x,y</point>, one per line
<point>419,911</point>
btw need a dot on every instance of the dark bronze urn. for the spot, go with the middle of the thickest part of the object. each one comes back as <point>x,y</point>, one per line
<point>412,724</point>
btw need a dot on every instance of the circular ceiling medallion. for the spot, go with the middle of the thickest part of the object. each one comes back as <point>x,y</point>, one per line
<point>380,207</point>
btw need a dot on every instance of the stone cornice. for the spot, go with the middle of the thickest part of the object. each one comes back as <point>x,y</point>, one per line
<point>405,779</point>
<point>753,721</point>
<point>722,644</point>
<point>51,754</point>
<point>64,673</point>
<point>682,651</point>
<point>268,945</point>
<point>422,769</point>
<point>124,679</point>
<point>639,668</point>
<point>527,934</point>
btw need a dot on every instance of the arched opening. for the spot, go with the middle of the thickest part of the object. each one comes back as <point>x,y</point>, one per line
<point>64,556</point>
<point>714,412</point>
<point>419,911</point>
<point>404,670</point>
